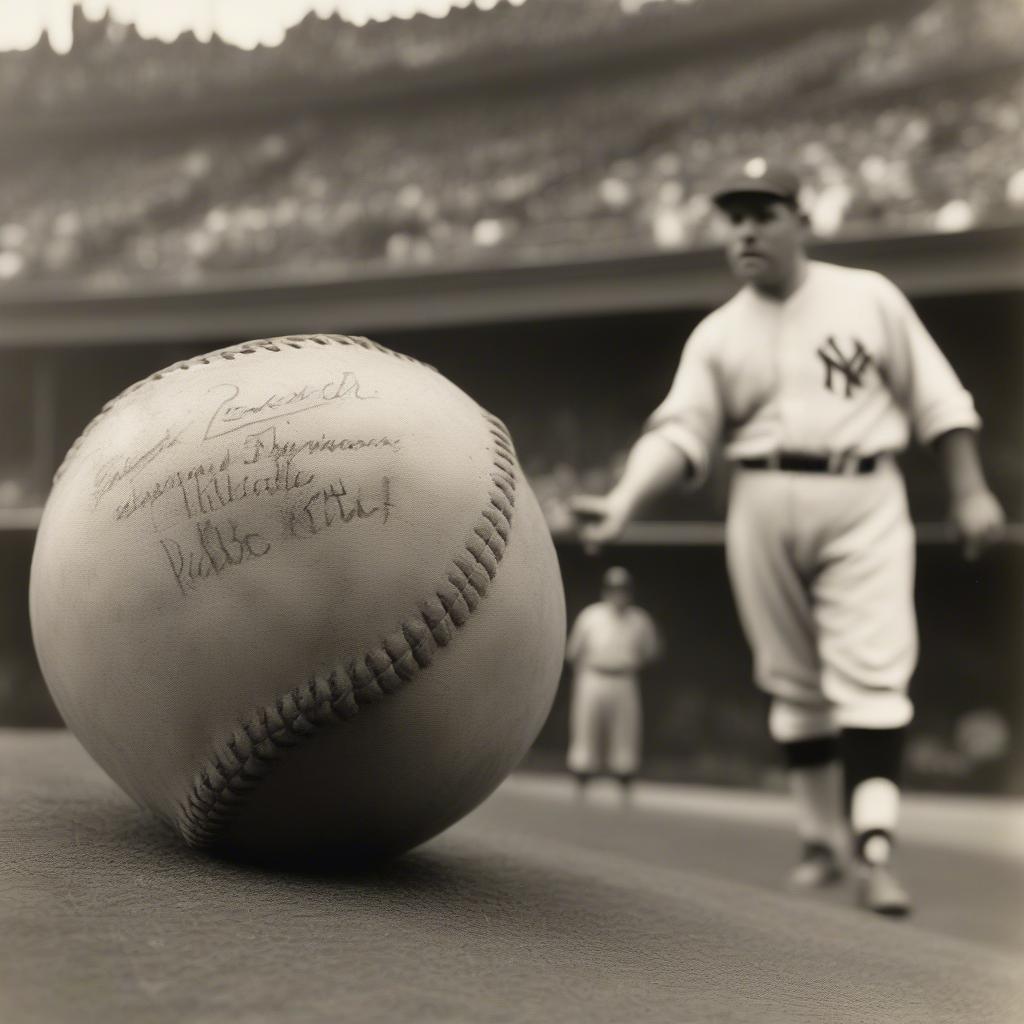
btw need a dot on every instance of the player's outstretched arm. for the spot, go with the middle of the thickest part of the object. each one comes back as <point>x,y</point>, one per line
<point>654,464</point>
<point>974,509</point>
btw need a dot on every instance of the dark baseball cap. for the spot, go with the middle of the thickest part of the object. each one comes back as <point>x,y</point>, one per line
<point>761,179</point>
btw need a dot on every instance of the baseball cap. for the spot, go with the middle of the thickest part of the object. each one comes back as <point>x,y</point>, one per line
<point>761,178</point>
<point>617,577</point>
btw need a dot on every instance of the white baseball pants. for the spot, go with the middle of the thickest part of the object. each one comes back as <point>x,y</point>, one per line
<point>605,723</point>
<point>822,570</point>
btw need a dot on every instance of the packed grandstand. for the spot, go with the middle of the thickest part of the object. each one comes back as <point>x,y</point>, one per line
<point>547,130</point>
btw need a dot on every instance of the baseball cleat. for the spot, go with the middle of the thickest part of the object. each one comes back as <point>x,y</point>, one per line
<point>818,867</point>
<point>882,892</point>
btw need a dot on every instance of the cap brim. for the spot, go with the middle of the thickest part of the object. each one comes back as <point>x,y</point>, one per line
<point>737,191</point>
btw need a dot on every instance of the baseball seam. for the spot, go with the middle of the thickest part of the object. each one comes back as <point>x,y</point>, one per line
<point>329,697</point>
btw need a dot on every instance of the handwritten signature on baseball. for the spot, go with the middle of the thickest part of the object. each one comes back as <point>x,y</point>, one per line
<point>217,548</point>
<point>232,414</point>
<point>336,504</point>
<point>205,488</point>
<point>125,467</point>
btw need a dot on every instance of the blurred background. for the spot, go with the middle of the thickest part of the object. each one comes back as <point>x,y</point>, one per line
<point>516,192</point>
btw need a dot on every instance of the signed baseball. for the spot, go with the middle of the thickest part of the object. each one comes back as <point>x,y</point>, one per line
<point>297,597</point>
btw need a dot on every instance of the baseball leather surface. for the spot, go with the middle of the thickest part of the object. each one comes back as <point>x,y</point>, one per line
<point>296,596</point>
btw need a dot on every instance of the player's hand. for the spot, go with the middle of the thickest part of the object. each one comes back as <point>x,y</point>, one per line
<point>600,519</point>
<point>979,520</point>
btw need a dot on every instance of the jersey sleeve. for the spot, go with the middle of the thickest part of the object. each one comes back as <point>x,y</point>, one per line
<point>921,378</point>
<point>578,636</point>
<point>650,641</point>
<point>691,415</point>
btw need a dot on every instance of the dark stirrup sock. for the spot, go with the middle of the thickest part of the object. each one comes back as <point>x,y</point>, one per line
<point>810,753</point>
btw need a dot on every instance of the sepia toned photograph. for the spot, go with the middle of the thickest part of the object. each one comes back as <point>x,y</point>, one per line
<point>511,511</point>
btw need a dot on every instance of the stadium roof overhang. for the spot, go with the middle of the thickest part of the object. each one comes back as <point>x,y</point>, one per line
<point>263,305</point>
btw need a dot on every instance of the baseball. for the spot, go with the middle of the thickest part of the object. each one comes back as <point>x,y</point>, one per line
<point>297,597</point>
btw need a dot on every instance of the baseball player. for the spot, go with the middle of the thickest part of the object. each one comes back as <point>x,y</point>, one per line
<point>609,644</point>
<point>814,376</point>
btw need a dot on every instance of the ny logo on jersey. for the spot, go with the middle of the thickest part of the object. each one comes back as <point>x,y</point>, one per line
<point>850,368</point>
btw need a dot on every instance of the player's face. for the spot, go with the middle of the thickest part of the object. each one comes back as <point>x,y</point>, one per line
<point>764,240</point>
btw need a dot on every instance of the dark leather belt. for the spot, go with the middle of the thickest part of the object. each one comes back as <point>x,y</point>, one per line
<point>793,462</point>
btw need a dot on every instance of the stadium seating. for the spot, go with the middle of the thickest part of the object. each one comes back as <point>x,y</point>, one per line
<point>907,121</point>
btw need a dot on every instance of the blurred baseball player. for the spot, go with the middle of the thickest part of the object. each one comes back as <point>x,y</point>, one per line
<point>610,643</point>
<point>814,376</point>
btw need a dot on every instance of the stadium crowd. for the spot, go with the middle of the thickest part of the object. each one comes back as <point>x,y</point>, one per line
<point>909,122</point>
<point>111,66</point>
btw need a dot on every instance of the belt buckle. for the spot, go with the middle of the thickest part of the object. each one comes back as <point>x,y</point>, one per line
<point>843,463</point>
<point>773,460</point>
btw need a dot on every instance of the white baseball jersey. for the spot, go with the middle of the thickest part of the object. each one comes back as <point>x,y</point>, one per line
<point>842,366</point>
<point>608,640</point>
<point>821,565</point>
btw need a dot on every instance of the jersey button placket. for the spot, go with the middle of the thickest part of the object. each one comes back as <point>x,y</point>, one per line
<point>787,402</point>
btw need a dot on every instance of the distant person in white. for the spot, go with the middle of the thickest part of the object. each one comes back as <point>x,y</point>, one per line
<point>814,376</point>
<point>610,644</point>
